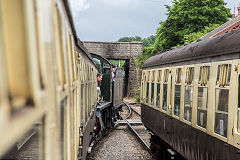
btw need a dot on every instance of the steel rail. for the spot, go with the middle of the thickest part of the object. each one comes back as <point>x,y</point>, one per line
<point>131,108</point>
<point>27,140</point>
<point>137,135</point>
<point>132,129</point>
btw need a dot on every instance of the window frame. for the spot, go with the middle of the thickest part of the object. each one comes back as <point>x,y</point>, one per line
<point>165,81</point>
<point>159,82</point>
<point>203,83</point>
<point>178,83</point>
<point>186,83</point>
<point>220,71</point>
<point>225,87</point>
<point>153,81</point>
<point>147,90</point>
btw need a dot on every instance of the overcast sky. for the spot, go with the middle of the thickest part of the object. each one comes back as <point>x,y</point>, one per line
<point>109,20</point>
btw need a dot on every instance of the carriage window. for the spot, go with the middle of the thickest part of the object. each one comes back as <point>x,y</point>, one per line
<point>189,75</point>
<point>164,107</point>
<point>70,52</point>
<point>89,99</point>
<point>82,102</point>
<point>159,76</point>
<point>221,99</point>
<point>152,93</point>
<point>178,78</point>
<point>143,86</point>
<point>147,94</point>
<point>75,59</point>
<point>223,75</point>
<point>177,95</point>
<point>200,75</point>
<point>165,88</point>
<point>166,74</point>
<point>218,74</point>
<point>16,52</point>
<point>204,75</point>
<point>177,100</point>
<point>147,89</point>
<point>202,106</point>
<point>229,73</point>
<point>188,98</point>
<point>203,96</point>
<point>188,103</point>
<point>158,95</point>
<point>60,51</point>
<point>39,57</point>
<point>63,105</point>
<point>158,88</point>
<point>152,87</point>
<point>221,115</point>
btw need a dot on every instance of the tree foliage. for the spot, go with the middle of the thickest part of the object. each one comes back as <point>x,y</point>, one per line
<point>130,39</point>
<point>147,48</point>
<point>147,42</point>
<point>116,62</point>
<point>187,21</point>
<point>190,38</point>
<point>186,17</point>
<point>147,53</point>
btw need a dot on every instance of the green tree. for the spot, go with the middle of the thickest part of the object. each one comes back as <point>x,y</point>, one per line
<point>149,41</point>
<point>130,39</point>
<point>147,53</point>
<point>190,38</point>
<point>186,17</point>
<point>115,62</point>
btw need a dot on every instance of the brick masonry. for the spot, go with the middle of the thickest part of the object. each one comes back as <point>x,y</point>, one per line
<point>122,51</point>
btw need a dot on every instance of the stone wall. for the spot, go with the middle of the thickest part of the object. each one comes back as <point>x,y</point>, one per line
<point>122,51</point>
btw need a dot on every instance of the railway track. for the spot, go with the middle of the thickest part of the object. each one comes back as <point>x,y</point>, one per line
<point>28,146</point>
<point>132,124</point>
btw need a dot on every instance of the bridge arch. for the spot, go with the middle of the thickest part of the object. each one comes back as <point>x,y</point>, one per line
<point>121,51</point>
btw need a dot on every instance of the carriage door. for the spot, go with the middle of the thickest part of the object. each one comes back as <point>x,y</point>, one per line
<point>166,103</point>
<point>174,100</point>
<point>236,111</point>
<point>170,92</point>
<point>176,84</point>
<point>166,106</point>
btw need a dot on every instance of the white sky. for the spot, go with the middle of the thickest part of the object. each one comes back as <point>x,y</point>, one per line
<point>109,20</point>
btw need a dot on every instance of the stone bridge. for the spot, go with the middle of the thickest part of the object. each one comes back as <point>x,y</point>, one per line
<point>120,51</point>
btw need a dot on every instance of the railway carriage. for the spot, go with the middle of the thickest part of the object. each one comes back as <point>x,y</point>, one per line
<point>48,82</point>
<point>190,99</point>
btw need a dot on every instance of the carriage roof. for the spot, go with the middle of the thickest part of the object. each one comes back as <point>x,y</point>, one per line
<point>221,45</point>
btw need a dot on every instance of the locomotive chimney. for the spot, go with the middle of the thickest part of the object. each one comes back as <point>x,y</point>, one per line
<point>234,15</point>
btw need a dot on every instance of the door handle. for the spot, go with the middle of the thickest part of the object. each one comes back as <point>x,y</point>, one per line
<point>169,107</point>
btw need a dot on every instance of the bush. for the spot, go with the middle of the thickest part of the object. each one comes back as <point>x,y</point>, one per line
<point>147,53</point>
<point>138,95</point>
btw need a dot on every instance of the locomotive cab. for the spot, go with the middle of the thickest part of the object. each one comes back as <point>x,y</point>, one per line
<point>111,95</point>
